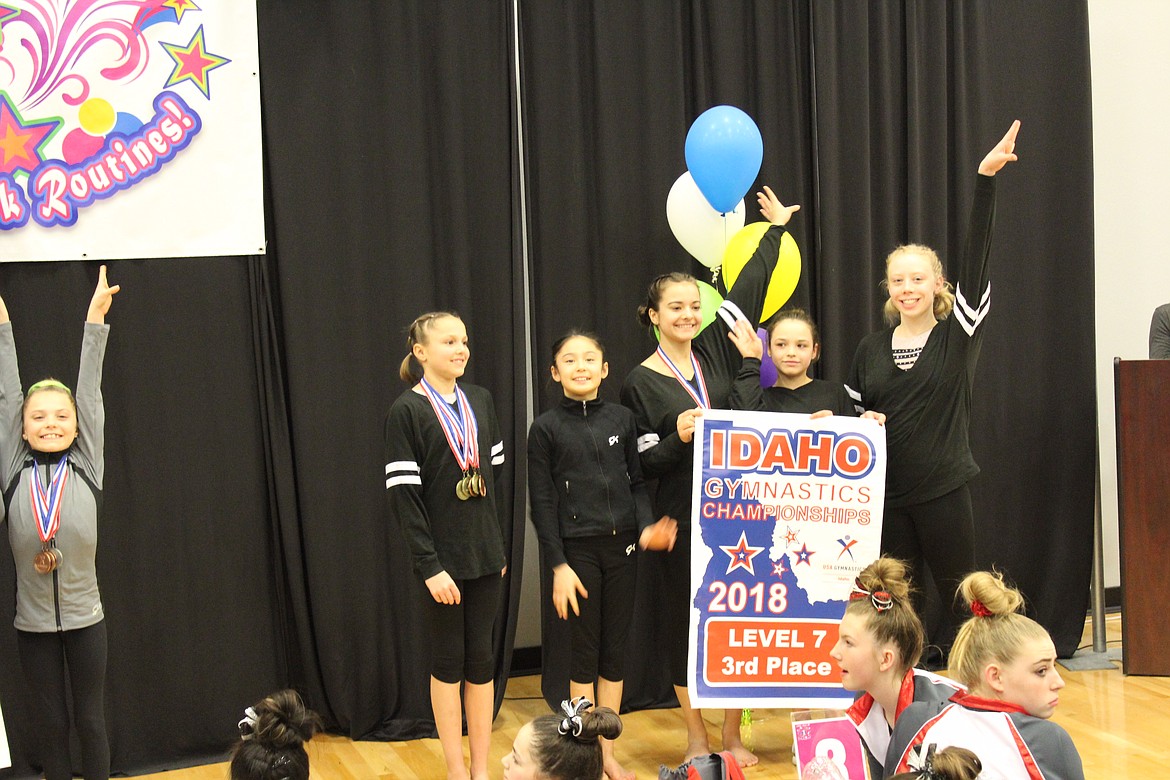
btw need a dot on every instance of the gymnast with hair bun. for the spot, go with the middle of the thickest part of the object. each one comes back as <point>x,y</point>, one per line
<point>273,733</point>
<point>563,746</point>
<point>1008,663</point>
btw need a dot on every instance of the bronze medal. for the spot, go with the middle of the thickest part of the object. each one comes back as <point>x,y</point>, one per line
<point>481,484</point>
<point>47,560</point>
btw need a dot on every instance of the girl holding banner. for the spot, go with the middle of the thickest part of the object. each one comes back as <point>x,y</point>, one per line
<point>919,373</point>
<point>794,344</point>
<point>443,446</point>
<point>1008,663</point>
<point>691,370</point>
<point>52,465</point>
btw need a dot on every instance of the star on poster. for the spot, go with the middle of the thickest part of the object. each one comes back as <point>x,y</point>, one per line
<point>741,555</point>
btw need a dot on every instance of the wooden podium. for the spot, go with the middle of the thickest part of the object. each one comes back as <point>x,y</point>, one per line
<point>1142,393</point>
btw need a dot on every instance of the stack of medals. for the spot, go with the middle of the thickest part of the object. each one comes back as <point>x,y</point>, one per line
<point>46,506</point>
<point>462,432</point>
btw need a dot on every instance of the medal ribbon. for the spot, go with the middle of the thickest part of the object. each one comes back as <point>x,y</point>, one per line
<point>701,397</point>
<point>47,505</point>
<point>461,429</point>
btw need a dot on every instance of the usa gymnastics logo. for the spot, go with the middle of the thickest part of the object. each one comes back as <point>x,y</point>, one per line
<point>92,102</point>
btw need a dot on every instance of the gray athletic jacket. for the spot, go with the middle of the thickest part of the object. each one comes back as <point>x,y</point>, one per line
<point>67,598</point>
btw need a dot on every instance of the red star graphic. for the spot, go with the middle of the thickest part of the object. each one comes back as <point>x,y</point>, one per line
<point>193,63</point>
<point>20,144</point>
<point>790,535</point>
<point>778,568</point>
<point>804,554</point>
<point>741,555</point>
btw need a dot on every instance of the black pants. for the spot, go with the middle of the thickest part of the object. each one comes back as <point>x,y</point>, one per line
<point>46,659</point>
<point>608,568</point>
<point>461,634</point>
<point>941,534</point>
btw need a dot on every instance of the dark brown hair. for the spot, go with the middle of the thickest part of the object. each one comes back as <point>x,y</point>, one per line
<point>272,744</point>
<point>654,294</point>
<point>567,757</point>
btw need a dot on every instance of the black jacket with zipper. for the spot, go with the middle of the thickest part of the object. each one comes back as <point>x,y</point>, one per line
<point>584,475</point>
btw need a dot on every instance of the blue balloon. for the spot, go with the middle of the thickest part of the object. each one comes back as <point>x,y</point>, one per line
<point>724,151</point>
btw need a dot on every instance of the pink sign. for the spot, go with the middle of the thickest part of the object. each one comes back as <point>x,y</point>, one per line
<point>832,746</point>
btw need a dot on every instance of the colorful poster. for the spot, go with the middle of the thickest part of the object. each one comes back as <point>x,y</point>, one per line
<point>786,512</point>
<point>129,128</point>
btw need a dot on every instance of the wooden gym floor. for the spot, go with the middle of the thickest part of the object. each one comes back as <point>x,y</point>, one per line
<point>1121,726</point>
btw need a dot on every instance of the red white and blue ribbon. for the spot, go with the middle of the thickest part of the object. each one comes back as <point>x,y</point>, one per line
<point>697,391</point>
<point>460,428</point>
<point>47,504</point>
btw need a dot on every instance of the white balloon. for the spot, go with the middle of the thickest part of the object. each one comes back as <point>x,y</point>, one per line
<point>701,230</point>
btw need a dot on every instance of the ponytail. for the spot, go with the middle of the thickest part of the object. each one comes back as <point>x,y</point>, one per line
<point>409,370</point>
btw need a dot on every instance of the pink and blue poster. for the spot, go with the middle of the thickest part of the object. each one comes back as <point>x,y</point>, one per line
<point>786,512</point>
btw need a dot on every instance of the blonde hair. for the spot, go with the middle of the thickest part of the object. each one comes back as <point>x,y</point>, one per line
<point>995,632</point>
<point>952,763</point>
<point>899,624</point>
<point>944,299</point>
<point>410,371</point>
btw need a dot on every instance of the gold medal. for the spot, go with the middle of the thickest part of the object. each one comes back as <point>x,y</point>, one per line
<point>47,560</point>
<point>461,491</point>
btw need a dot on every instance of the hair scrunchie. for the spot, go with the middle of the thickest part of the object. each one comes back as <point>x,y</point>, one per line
<point>880,599</point>
<point>247,724</point>
<point>572,723</point>
<point>979,609</point>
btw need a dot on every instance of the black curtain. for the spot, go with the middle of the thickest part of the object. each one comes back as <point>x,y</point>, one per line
<point>245,544</point>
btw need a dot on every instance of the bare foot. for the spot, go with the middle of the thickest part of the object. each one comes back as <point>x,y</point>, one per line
<point>742,755</point>
<point>615,771</point>
<point>696,748</point>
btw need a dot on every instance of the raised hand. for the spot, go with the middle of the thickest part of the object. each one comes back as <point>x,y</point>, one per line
<point>746,340</point>
<point>1002,153</point>
<point>773,210</point>
<point>103,296</point>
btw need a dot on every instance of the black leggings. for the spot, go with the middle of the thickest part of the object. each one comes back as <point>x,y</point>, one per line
<point>460,635</point>
<point>608,568</point>
<point>941,533</point>
<point>46,658</point>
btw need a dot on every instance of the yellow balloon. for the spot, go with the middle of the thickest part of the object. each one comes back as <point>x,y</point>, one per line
<point>740,249</point>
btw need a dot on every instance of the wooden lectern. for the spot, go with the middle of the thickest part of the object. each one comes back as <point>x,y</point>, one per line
<point>1142,393</point>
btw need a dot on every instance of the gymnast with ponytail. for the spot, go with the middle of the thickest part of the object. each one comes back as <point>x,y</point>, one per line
<point>273,733</point>
<point>563,746</point>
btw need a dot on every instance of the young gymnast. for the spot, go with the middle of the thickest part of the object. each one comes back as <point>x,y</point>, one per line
<point>919,373</point>
<point>1008,663</point>
<point>794,344</point>
<point>880,640</point>
<point>273,733</point>
<point>591,511</point>
<point>566,746</point>
<point>690,371</point>
<point>52,465</point>
<point>443,447</point>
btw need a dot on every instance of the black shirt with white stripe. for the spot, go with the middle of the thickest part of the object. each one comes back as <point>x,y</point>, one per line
<point>463,538</point>
<point>657,400</point>
<point>928,406</point>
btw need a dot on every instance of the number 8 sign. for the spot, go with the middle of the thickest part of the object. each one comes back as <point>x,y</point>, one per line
<point>828,747</point>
